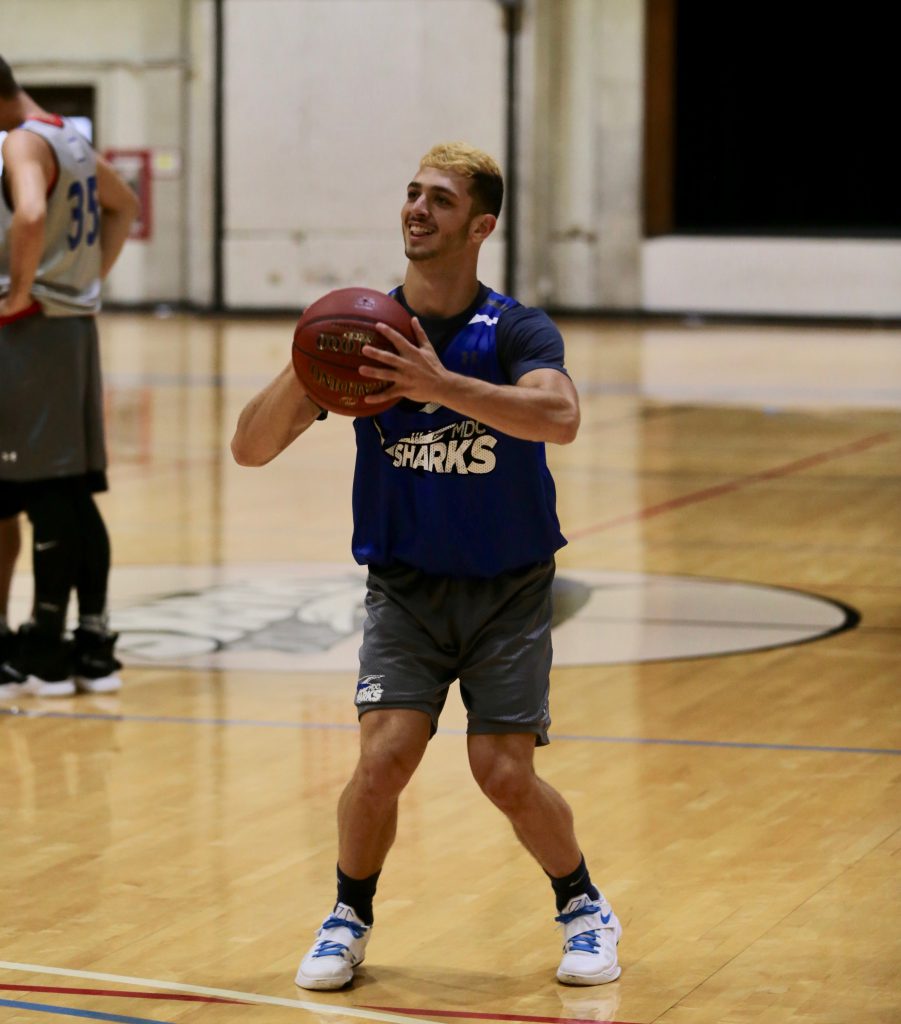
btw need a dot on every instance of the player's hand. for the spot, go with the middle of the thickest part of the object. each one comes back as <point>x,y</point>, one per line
<point>10,306</point>
<point>413,370</point>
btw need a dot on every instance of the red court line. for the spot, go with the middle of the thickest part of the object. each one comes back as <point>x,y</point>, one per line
<point>124,993</point>
<point>731,486</point>
<point>491,1016</point>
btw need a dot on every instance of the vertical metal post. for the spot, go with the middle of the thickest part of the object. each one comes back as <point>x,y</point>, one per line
<point>512,20</point>
<point>218,156</point>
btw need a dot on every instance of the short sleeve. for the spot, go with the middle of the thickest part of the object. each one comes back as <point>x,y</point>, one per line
<point>527,339</point>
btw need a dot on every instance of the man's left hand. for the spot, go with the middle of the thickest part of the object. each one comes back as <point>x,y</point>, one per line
<point>413,370</point>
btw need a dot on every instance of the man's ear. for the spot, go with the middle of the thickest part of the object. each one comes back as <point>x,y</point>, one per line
<point>482,226</point>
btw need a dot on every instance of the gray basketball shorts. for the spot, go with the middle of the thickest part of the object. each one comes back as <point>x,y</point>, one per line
<point>51,401</point>
<point>423,632</point>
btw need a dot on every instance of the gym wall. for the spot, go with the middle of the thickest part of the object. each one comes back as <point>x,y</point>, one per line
<point>327,105</point>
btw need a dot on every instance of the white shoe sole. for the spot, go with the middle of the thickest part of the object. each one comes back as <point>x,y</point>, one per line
<point>603,978</point>
<point>37,687</point>
<point>323,984</point>
<point>105,684</point>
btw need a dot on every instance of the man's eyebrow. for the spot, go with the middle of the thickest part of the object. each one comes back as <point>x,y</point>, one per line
<point>433,188</point>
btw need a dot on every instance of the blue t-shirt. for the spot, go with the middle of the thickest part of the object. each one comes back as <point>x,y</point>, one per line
<point>443,492</point>
<point>527,338</point>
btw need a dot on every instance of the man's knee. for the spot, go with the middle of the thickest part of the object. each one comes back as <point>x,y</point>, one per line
<point>506,777</point>
<point>392,745</point>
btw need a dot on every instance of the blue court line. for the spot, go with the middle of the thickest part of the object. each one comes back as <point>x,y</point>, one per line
<point>69,1011</point>
<point>729,743</point>
<point>17,712</point>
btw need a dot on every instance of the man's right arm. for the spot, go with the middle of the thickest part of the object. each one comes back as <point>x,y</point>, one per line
<point>29,169</point>
<point>271,420</point>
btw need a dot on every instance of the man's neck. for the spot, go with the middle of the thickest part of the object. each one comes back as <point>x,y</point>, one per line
<point>439,294</point>
<point>20,109</point>
<point>32,109</point>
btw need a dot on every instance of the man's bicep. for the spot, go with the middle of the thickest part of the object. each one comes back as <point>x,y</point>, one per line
<point>28,167</point>
<point>548,380</point>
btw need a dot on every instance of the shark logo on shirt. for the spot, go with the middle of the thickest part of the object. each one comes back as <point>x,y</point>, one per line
<point>462,447</point>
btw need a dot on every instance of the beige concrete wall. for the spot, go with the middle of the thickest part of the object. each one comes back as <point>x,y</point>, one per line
<point>329,103</point>
<point>581,123</point>
<point>329,107</point>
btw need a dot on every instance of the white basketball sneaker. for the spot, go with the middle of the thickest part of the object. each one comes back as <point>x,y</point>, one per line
<point>340,947</point>
<point>590,933</point>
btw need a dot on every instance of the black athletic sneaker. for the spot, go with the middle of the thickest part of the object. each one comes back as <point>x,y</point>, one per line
<point>40,665</point>
<point>95,666</point>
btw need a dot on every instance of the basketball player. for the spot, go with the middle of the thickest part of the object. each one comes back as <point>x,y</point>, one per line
<point>64,217</point>
<point>454,516</point>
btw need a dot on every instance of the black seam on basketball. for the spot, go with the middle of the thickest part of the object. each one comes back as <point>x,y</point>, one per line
<point>341,366</point>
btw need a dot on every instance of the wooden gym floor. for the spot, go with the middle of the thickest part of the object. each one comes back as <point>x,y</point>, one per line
<point>725,727</point>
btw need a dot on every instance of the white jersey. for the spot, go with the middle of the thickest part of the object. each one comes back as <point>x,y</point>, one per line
<point>68,279</point>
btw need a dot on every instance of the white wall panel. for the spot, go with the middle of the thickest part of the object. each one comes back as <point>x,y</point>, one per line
<point>798,277</point>
<point>329,105</point>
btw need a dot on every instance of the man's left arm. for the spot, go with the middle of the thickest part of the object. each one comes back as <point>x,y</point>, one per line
<point>119,206</point>
<point>542,405</point>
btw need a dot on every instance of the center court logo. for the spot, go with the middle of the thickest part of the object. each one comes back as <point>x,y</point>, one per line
<point>308,617</point>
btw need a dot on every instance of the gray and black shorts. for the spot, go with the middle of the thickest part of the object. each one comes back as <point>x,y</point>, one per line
<point>423,632</point>
<point>51,400</point>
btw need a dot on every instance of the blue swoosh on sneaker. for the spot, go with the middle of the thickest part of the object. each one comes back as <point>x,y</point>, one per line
<point>606,920</point>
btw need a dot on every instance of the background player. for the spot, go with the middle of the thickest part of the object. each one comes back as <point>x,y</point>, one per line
<point>64,217</point>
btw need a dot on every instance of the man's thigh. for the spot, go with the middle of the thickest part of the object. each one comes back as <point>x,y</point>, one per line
<point>505,676</point>
<point>402,663</point>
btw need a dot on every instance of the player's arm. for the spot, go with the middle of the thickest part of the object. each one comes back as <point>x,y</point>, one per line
<point>119,206</point>
<point>542,405</point>
<point>29,168</point>
<point>271,420</point>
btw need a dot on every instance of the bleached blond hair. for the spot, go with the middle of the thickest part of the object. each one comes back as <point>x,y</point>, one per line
<point>487,182</point>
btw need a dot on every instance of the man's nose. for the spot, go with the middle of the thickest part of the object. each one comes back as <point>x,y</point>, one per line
<point>419,205</point>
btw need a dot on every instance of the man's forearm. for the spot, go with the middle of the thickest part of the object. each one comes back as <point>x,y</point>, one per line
<point>26,238</point>
<point>271,420</point>
<point>529,413</point>
<point>114,228</point>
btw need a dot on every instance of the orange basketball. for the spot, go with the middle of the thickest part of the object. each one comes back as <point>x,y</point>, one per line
<point>328,342</point>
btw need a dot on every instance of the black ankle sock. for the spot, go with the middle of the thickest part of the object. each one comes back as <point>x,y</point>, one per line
<point>358,893</point>
<point>573,885</point>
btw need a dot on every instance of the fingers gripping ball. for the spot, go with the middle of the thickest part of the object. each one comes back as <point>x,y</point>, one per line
<point>328,344</point>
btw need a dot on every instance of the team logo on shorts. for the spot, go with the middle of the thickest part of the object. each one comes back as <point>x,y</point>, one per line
<point>369,690</point>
